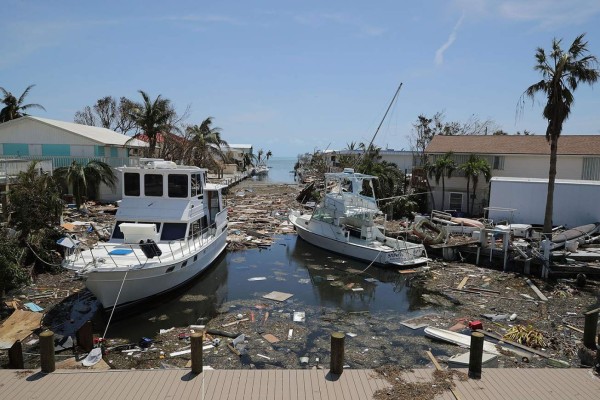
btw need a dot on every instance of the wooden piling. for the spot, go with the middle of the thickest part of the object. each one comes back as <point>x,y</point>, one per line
<point>85,336</point>
<point>15,356</point>
<point>47,351</point>
<point>337,352</point>
<point>590,328</point>
<point>196,341</point>
<point>476,355</point>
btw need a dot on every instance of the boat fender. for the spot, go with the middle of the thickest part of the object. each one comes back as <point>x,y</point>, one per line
<point>150,248</point>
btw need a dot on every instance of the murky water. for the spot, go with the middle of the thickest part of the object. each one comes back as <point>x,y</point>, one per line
<point>315,277</point>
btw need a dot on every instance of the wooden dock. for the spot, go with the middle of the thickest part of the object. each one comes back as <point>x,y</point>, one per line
<point>280,384</point>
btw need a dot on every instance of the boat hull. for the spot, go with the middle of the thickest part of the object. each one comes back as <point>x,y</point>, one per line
<point>338,243</point>
<point>135,285</point>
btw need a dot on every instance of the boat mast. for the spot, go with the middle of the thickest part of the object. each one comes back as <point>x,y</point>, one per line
<point>381,123</point>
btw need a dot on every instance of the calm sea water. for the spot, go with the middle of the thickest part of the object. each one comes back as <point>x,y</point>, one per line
<point>281,170</point>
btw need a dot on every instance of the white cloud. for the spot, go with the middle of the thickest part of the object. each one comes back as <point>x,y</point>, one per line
<point>439,54</point>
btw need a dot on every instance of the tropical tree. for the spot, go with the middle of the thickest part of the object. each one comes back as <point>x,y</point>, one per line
<point>34,201</point>
<point>259,155</point>
<point>269,155</point>
<point>108,114</point>
<point>562,71</point>
<point>208,149</point>
<point>474,167</point>
<point>85,178</point>
<point>13,106</point>
<point>152,117</point>
<point>248,160</point>
<point>443,167</point>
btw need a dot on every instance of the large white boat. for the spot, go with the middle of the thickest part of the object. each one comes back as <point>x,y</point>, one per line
<point>170,226</point>
<point>343,223</point>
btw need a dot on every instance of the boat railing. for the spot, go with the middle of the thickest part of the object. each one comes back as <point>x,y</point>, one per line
<point>102,252</point>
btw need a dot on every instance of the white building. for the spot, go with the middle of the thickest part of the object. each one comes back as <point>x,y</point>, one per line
<point>35,138</point>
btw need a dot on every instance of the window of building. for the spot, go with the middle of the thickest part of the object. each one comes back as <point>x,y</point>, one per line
<point>498,163</point>
<point>591,169</point>
<point>456,201</point>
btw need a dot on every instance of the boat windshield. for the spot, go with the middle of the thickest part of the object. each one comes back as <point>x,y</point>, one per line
<point>323,214</point>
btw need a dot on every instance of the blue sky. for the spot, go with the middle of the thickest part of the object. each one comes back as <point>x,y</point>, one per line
<point>294,76</point>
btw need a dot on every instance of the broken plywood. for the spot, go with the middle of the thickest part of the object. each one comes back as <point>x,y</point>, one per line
<point>18,326</point>
<point>277,296</point>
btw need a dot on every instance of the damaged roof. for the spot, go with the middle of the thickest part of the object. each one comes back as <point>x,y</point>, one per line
<point>514,144</point>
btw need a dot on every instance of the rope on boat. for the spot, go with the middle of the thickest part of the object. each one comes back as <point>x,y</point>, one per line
<point>39,258</point>
<point>372,262</point>
<point>115,305</point>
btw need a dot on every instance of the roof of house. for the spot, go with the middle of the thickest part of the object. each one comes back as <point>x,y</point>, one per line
<point>240,146</point>
<point>95,133</point>
<point>514,144</point>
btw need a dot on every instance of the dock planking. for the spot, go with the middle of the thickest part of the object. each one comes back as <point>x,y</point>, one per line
<point>284,384</point>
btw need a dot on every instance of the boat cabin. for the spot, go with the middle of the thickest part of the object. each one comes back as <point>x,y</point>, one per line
<point>163,201</point>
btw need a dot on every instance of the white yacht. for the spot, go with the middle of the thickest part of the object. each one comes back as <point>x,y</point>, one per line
<point>343,223</point>
<point>170,226</point>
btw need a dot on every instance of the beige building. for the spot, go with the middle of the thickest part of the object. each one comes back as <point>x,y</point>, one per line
<point>511,156</point>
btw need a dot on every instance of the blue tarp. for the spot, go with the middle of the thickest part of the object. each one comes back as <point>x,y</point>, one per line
<point>120,252</point>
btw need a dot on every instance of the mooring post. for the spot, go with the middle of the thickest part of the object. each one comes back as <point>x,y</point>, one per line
<point>476,355</point>
<point>337,352</point>
<point>590,328</point>
<point>196,341</point>
<point>85,336</point>
<point>15,356</point>
<point>47,351</point>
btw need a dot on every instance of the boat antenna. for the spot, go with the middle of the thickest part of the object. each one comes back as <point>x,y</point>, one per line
<point>381,123</point>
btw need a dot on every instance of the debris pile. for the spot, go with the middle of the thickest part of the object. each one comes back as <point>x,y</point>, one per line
<point>255,216</point>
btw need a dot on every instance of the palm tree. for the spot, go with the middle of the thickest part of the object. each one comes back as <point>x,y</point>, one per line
<point>84,178</point>
<point>13,107</point>
<point>207,146</point>
<point>561,74</point>
<point>259,155</point>
<point>443,167</point>
<point>248,160</point>
<point>269,155</point>
<point>152,118</point>
<point>472,169</point>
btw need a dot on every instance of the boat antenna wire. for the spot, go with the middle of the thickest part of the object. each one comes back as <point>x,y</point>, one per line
<point>380,123</point>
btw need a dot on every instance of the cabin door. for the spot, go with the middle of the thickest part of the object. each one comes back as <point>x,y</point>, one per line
<point>214,205</point>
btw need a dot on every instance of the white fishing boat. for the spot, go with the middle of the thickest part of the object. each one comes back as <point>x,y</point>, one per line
<point>260,169</point>
<point>344,223</point>
<point>170,226</point>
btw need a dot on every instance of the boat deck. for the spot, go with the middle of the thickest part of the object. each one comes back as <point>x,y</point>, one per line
<point>279,384</point>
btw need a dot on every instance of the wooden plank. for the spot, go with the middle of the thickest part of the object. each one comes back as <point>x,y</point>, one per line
<point>294,391</point>
<point>364,383</point>
<point>18,326</point>
<point>216,387</point>
<point>277,296</point>
<point>536,290</point>
<point>263,382</point>
<point>243,386</point>
<point>462,283</point>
